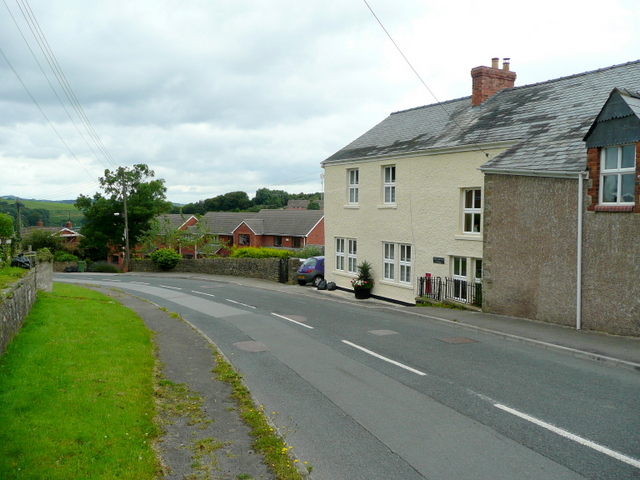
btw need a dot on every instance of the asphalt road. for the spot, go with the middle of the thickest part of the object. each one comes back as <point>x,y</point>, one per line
<point>371,392</point>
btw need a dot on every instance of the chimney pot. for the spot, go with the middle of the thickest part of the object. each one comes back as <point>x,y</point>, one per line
<point>489,81</point>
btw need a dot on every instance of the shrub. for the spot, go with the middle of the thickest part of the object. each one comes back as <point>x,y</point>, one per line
<point>311,251</point>
<point>64,257</point>
<point>102,267</point>
<point>44,255</point>
<point>255,252</point>
<point>165,258</point>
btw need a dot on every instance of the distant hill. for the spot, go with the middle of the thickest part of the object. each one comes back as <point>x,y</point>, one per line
<point>59,211</point>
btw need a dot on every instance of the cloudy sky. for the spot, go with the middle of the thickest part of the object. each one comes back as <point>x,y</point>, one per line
<point>219,95</point>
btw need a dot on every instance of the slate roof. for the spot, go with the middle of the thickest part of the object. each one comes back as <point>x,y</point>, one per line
<point>175,220</point>
<point>297,223</point>
<point>547,121</point>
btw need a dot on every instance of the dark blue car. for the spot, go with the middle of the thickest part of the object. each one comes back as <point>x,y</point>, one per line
<point>312,270</point>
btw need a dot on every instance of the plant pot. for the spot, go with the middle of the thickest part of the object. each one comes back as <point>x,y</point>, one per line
<point>362,293</point>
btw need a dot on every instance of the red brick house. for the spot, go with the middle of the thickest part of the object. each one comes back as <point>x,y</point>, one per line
<point>268,228</point>
<point>70,238</point>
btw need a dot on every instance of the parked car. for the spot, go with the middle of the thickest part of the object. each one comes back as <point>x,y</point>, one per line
<point>312,270</point>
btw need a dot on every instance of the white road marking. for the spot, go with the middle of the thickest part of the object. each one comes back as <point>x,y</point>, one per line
<point>202,293</point>
<point>292,320</point>
<point>172,288</point>
<point>377,355</point>
<point>238,303</point>
<point>582,441</point>
<point>140,283</point>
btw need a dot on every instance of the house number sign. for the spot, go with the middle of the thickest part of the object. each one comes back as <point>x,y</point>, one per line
<point>439,260</point>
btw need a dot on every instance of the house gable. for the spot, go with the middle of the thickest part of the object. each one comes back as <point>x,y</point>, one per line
<point>618,122</point>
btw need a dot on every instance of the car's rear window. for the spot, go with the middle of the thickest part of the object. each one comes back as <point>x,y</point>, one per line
<point>309,261</point>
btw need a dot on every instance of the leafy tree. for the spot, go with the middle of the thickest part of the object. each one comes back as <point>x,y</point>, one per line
<point>39,239</point>
<point>200,238</point>
<point>271,198</point>
<point>32,216</point>
<point>103,229</point>
<point>6,226</point>
<point>313,205</point>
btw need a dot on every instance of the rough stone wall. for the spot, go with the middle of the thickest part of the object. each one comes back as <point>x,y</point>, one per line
<point>263,268</point>
<point>530,247</point>
<point>611,272</point>
<point>15,304</point>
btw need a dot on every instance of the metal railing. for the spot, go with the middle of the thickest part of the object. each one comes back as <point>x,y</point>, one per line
<point>462,291</point>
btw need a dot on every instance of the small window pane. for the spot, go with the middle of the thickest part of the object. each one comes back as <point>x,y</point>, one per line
<point>611,158</point>
<point>610,188</point>
<point>477,199</point>
<point>628,156</point>
<point>468,199</point>
<point>627,188</point>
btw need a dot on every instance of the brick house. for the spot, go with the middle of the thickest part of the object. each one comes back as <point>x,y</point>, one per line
<point>70,238</point>
<point>292,229</point>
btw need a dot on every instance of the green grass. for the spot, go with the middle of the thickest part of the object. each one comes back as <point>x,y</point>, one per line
<point>59,213</point>
<point>9,275</point>
<point>76,392</point>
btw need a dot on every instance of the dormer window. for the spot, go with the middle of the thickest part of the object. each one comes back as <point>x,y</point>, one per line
<point>617,174</point>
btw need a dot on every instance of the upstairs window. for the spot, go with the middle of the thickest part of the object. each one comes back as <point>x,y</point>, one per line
<point>472,211</point>
<point>354,182</point>
<point>389,179</point>
<point>617,174</point>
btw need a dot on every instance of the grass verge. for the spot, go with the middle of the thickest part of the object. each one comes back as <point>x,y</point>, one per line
<point>76,391</point>
<point>271,444</point>
<point>9,275</point>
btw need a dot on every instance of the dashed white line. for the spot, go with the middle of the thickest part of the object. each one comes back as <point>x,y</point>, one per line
<point>168,286</point>
<point>293,321</point>
<point>386,359</point>
<point>564,433</point>
<point>140,283</point>
<point>239,303</point>
<point>203,293</point>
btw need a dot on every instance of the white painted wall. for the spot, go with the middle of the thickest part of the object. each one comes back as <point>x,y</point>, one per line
<point>427,215</point>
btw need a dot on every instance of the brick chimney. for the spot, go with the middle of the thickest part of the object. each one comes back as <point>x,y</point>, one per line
<point>69,224</point>
<point>487,81</point>
<point>40,223</point>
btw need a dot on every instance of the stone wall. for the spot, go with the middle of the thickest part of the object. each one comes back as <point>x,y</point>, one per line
<point>17,300</point>
<point>263,268</point>
<point>530,227</point>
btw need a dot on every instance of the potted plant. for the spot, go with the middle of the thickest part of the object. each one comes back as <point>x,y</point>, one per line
<point>364,282</point>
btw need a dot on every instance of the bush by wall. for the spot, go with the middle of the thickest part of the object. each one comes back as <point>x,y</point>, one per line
<point>166,258</point>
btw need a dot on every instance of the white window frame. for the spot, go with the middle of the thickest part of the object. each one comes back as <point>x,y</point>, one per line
<point>389,261</point>
<point>616,173</point>
<point>340,254</point>
<point>352,255</point>
<point>406,261</point>
<point>353,181</point>
<point>472,211</point>
<point>397,261</point>
<point>389,184</point>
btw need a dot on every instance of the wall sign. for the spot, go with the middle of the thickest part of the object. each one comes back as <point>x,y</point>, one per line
<point>439,260</point>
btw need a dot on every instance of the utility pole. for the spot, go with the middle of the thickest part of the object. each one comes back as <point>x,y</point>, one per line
<point>127,253</point>
<point>19,222</point>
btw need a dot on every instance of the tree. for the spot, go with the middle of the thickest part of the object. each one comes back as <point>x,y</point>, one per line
<point>104,215</point>
<point>271,198</point>
<point>6,232</point>
<point>42,239</point>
